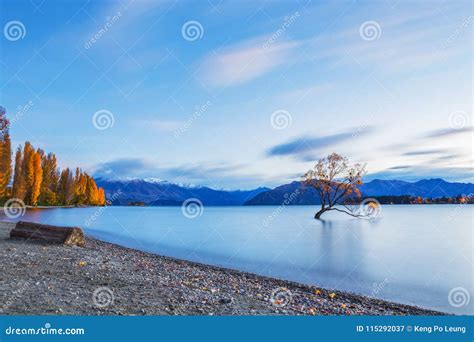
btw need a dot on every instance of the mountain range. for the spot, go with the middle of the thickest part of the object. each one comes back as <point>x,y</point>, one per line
<point>162,193</point>
<point>426,188</point>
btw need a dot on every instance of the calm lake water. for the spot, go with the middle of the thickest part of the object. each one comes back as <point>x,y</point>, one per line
<point>411,254</point>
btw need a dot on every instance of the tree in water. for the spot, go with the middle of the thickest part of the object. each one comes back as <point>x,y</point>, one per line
<point>335,181</point>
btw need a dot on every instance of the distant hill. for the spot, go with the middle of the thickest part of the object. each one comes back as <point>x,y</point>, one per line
<point>302,195</point>
<point>432,188</point>
<point>126,192</point>
<point>162,193</point>
<point>426,188</point>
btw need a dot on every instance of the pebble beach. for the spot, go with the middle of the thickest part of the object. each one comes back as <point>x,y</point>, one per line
<point>107,279</point>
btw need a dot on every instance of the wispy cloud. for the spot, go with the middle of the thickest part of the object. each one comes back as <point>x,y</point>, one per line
<point>448,132</point>
<point>121,168</point>
<point>450,157</point>
<point>211,174</point>
<point>245,61</point>
<point>406,42</point>
<point>399,167</point>
<point>303,147</point>
<point>423,152</point>
<point>410,80</point>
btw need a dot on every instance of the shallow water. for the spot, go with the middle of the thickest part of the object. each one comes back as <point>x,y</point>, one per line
<point>414,254</point>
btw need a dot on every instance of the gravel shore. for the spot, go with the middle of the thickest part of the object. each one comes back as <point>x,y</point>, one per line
<point>106,279</point>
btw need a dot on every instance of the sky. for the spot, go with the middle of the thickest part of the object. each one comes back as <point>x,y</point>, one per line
<point>240,94</point>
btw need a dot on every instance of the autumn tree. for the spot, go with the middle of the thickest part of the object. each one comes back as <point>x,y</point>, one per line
<point>37,178</point>
<point>28,178</point>
<point>65,187</point>
<point>5,154</point>
<point>18,181</point>
<point>92,192</point>
<point>50,179</point>
<point>80,188</point>
<point>27,171</point>
<point>335,181</point>
<point>101,199</point>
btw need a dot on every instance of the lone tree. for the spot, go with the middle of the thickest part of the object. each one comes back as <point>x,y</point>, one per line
<point>336,181</point>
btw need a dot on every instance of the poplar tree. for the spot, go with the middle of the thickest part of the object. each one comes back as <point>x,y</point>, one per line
<point>18,183</point>
<point>5,154</point>
<point>92,192</point>
<point>65,187</point>
<point>101,196</point>
<point>37,178</point>
<point>49,185</point>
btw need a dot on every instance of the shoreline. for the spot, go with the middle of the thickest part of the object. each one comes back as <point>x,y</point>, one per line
<point>217,206</point>
<point>51,206</point>
<point>107,279</point>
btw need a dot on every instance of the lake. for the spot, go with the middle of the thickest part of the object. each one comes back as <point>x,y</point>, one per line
<point>417,254</point>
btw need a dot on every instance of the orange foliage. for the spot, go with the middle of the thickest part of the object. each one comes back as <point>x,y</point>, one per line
<point>37,178</point>
<point>335,180</point>
<point>101,196</point>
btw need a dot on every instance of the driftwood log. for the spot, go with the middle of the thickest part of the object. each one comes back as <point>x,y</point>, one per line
<point>70,236</point>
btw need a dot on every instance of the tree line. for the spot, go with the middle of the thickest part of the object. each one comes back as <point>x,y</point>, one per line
<point>37,180</point>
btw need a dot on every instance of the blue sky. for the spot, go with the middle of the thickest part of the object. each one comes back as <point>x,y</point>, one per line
<point>237,94</point>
